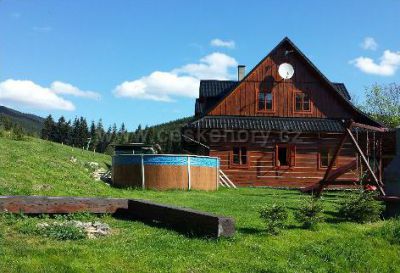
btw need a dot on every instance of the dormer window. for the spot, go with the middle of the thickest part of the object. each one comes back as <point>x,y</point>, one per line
<point>302,102</point>
<point>265,101</point>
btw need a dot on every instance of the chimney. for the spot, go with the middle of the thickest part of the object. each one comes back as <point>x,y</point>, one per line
<point>241,72</point>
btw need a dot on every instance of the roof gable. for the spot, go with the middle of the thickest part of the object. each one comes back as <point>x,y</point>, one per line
<point>337,91</point>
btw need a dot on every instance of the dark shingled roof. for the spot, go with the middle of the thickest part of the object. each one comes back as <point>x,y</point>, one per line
<point>342,89</point>
<point>215,88</point>
<point>268,124</point>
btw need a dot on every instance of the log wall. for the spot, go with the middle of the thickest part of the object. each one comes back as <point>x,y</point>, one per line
<point>261,169</point>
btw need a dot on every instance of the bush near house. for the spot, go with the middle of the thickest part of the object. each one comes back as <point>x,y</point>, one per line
<point>274,218</point>
<point>310,213</point>
<point>361,207</point>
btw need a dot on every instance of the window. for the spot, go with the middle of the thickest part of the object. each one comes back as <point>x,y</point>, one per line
<point>283,158</point>
<point>265,101</point>
<point>325,156</point>
<point>285,155</point>
<point>302,102</point>
<point>239,156</point>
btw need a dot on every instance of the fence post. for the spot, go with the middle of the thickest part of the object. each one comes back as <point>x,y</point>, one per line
<point>188,170</point>
<point>142,165</point>
<point>217,168</point>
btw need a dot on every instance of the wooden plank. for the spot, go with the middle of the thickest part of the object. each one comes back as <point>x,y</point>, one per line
<point>60,205</point>
<point>187,220</point>
<point>369,127</point>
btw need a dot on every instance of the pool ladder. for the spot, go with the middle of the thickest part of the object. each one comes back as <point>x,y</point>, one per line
<point>224,181</point>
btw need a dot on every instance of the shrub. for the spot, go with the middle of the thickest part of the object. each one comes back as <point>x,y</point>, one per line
<point>274,217</point>
<point>61,231</point>
<point>360,207</point>
<point>54,230</point>
<point>390,231</point>
<point>310,213</point>
<point>12,218</point>
<point>28,226</point>
<point>17,133</point>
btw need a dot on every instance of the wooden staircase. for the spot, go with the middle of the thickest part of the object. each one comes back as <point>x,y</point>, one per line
<point>224,181</point>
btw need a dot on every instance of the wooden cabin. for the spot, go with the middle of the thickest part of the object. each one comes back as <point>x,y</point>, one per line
<point>271,131</point>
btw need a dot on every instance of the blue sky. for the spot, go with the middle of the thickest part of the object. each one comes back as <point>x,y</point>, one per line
<point>139,62</point>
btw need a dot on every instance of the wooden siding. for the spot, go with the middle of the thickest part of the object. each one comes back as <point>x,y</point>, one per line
<point>261,169</point>
<point>243,100</point>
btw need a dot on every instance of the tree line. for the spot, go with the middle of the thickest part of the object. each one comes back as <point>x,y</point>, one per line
<point>94,137</point>
<point>11,129</point>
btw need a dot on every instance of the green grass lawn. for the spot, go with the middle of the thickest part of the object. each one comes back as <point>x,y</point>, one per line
<point>43,168</point>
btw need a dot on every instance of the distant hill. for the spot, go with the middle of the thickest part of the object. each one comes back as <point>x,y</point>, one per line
<point>30,123</point>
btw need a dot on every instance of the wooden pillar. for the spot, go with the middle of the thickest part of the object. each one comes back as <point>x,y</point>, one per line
<point>188,172</point>
<point>378,183</point>
<point>143,174</point>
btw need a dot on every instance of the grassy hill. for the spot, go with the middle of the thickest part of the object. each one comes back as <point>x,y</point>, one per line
<point>39,167</point>
<point>30,123</point>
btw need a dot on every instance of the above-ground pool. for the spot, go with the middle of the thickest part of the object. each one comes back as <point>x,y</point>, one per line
<point>162,171</point>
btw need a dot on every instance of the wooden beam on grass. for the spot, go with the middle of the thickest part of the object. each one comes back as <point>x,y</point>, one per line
<point>184,220</point>
<point>60,205</point>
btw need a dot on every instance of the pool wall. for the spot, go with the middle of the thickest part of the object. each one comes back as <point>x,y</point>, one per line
<point>161,171</point>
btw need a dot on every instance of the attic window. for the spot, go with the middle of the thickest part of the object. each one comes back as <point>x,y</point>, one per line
<point>302,102</point>
<point>265,101</point>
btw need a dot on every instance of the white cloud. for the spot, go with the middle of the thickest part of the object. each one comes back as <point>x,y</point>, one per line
<point>221,43</point>
<point>387,66</point>
<point>28,93</point>
<point>68,89</point>
<point>179,82</point>
<point>369,43</point>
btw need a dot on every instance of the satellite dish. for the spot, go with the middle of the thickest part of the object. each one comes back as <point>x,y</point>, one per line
<point>286,71</point>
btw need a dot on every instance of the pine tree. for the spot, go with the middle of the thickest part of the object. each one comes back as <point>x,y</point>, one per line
<point>61,132</point>
<point>101,136</point>
<point>93,136</point>
<point>122,134</point>
<point>48,130</point>
<point>75,132</point>
<point>83,132</point>
<point>113,136</point>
